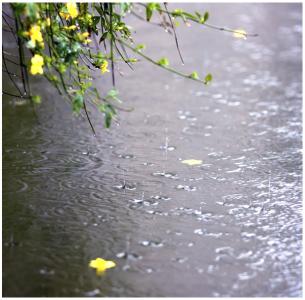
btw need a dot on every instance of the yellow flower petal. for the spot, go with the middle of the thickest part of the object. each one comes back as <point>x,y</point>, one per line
<point>37,60</point>
<point>35,34</point>
<point>36,70</point>
<point>104,67</point>
<point>110,264</point>
<point>240,34</point>
<point>36,64</point>
<point>72,10</point>
<point>192,162</point>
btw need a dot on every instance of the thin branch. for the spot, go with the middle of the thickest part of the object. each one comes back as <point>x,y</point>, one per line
<point>175,35</point>
<point>16,96</point>
<point>21,62</point>
<point>111,45</point>
<point>124,59</point>
<point>9,75</point>
<point>11,30</point>
<point>192,18</point>
<point>88,118</point>
<point>157,64</point>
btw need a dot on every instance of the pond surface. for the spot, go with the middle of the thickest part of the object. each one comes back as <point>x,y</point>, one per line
<point>231,226</point>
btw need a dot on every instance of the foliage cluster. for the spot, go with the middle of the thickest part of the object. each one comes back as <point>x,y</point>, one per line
<point>68,42</point>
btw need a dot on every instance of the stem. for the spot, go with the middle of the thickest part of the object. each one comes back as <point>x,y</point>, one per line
<point>156,63</point>
<point>88,118</point>
<point>9,75</point>
<point>111,45</point>
<point>175,35</point>
<point>194,19</point>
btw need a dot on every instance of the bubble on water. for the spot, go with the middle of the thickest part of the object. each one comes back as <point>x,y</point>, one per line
<point>246,276</point>
<point>168,148</point>
<point>199,231</point>
<point>166,175</point>
<point>125,186</point>
<point>92,293</point>
<point>126,156</point>
<point>180,260</point>
<point>160,197</point>
<point>154,244</point>
<point>186,188</point>
<point>45,271</point>
<point>129,256</point>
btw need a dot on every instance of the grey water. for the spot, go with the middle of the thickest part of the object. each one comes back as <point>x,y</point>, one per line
<point>231,226</point>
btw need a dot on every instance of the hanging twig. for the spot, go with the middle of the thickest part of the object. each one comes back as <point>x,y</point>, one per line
<point>9,75</point>
<point>16,96</point>
<point>88,118</point>
<point>111,45</point>
<point>175,35</point>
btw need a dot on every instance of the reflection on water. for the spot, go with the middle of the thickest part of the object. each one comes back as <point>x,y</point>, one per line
<point>229,227</point>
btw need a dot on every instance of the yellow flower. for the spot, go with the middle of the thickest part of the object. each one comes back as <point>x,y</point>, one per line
<point>85,34</point>
<point>72,10</point>
<point>35,34</point>
<point>104,66</point>
<point>72,27</point>
<point>101,265</point>
<point>240,34</point>
<point>87,41</point>
<point>48,21</point>
<point>36,64</point>
<point>192,162</point>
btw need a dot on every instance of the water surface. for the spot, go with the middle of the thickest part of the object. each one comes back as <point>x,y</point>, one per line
<point>229,227</point>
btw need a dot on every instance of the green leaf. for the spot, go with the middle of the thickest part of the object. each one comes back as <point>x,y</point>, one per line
<point>78,103</point>
<point>108,119</point>
<point>32,10</point>
<point>112,93</point>
<point>62,68</point>
<point>36,99</point>
<point>198,14</point>
<point>103,37</point>
<point>163,62</point>
<point>109,112</point>
<point>125,7</point>
<point>177,13</point>
<point>98,9</point>
<point>140,47</point>
<point>150,7</point>
<point>194,75</point>
<point>95,20</point>
<point>208,78</point>
<point>205,17</point>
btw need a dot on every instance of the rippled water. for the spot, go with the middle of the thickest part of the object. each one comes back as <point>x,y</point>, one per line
<point>231,226</point>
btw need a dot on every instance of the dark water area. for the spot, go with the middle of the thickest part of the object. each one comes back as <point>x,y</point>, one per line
<point>231,226</point>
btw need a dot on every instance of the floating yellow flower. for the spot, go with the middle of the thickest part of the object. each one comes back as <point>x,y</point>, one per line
<point>192,162</point>
<point>104,66</point>
<point>101,265</point>
<point>35,34</point>
<point>36,64</point>
<point>240,34</point>
<point>72,10</point>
